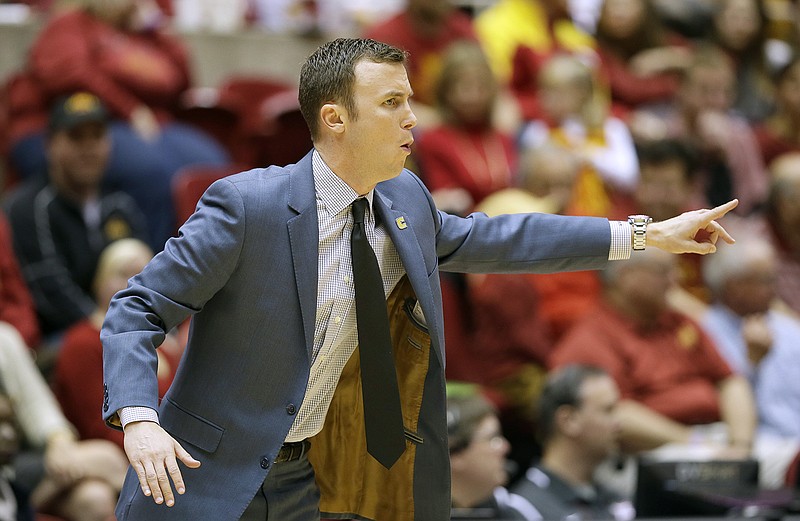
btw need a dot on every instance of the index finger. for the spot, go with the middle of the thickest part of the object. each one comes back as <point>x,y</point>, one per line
<point>721,210</point>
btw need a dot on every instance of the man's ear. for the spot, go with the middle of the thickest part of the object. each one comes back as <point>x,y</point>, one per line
<point>332,117</point>
<point>567,420</point>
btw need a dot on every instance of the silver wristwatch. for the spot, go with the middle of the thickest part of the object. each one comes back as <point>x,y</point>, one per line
<point>639,230</point>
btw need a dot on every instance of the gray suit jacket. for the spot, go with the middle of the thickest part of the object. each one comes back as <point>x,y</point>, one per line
<point>245,265</point>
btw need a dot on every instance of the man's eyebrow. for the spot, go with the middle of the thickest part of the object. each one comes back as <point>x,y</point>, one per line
<point>399,93</point>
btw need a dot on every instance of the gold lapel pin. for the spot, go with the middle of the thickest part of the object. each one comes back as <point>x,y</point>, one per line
<point>401,223</point>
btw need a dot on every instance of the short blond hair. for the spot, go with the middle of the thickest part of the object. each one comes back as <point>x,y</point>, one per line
<point>116,255</point>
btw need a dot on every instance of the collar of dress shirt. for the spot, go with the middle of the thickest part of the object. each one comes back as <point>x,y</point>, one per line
<point>335,194</point>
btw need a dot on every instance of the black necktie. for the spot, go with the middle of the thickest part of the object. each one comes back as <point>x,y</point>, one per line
<point>383,418</point>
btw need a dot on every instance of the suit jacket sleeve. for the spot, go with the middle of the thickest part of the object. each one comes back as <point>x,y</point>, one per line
<point>522,243</point>
<point>176,284</point>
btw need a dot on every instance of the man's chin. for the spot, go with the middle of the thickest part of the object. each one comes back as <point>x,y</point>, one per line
<point>391,174</point>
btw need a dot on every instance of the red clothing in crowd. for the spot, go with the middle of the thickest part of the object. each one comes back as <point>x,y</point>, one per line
<point>507,332</point>
<point>425,51</point>
<point>565,298</point>
<point>76,51</point>
<point>166,7</point>
<point>673,368</point>
<point>772,145</point>
<point>525,66</point>
<point>16,304</point>
<point>629,90</point>
<point>125,69</point>
<point>481,161</point>
<point>78,380</point>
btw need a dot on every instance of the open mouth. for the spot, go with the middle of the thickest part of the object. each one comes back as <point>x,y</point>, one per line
<point>407,146</point>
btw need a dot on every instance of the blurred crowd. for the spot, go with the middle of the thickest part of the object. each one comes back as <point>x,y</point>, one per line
<point>605,108</point>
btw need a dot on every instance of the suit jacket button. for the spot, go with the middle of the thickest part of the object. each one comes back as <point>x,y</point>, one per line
<point>264,463</point>
<point>291,409</point>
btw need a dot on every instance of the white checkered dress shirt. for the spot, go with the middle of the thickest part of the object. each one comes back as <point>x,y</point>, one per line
<point>335,333</point>
<point>621,241</point>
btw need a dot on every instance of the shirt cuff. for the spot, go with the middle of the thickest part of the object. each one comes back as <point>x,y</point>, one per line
<point>620,240</point>
<point>137,414</point>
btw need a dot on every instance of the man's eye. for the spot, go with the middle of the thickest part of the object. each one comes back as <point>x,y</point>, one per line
<point>391,102</point>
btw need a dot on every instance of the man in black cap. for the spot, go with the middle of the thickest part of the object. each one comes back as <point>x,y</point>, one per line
<point>61,225</point>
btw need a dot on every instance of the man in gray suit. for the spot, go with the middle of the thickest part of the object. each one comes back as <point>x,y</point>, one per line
<point>264,268</point>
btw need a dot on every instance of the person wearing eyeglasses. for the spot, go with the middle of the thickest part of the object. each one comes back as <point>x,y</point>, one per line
<point>478,468</point>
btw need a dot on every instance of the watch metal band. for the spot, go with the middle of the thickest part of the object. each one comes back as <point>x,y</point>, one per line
<point>639,230</point>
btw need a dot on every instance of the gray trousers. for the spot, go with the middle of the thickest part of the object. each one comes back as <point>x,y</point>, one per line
<point>289,493</point>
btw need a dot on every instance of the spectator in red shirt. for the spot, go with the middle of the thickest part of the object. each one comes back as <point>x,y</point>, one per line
<point>671,376</point>
<point>78,378</point>
<point>466,157</point>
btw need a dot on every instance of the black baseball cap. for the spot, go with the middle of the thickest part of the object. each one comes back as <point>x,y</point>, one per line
<point>81,107</point>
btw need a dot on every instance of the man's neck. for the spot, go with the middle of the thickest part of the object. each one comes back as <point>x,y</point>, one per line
<point>464,495</point>
<point>569,464</point>
<point>343,167</point>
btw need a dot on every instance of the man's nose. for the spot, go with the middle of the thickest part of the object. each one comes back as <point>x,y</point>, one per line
<point>410,121</point>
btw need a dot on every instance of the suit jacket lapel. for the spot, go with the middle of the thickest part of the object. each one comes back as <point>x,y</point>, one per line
<point>304,239</point>
<point>410,253</point>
